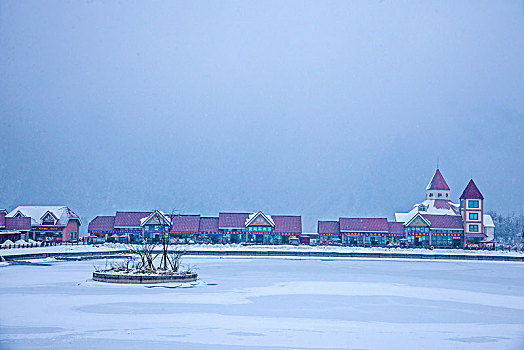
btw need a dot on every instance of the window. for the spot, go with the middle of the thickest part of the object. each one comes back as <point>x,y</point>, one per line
<point>473,204</point>
<point>446,195</point>
<point>421,208</point>
<point>473,228</point>
<point>440,194</point>
<point>473,216</point>
<point>431,194</point>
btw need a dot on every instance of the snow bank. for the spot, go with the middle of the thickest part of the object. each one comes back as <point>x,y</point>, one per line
<point>117,247</point>
<point>7,243</point>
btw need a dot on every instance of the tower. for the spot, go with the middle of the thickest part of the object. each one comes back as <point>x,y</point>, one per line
<point>437,187</point>
<point>472,211</point>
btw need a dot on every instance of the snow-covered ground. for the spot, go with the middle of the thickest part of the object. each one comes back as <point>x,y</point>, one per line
<point>237,247</point>
<point>269,303</point>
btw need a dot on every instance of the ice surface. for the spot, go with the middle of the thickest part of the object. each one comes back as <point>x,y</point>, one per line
<point>269,303</point>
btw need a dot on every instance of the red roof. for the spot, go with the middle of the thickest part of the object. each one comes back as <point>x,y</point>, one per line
<point>364,224</point>
<point>185,223</point>
<point>325,227</point>
<point>287,223</point>
<point>232,220</point>
<point>444,221</point>
<point>102,223</point>
<point>130,218</point>
<point>18,223</point>
<point>208,224</point>
<point>395,227</point>
<point>437,182</point>
<point>471,191</point>
<point>445,204</point>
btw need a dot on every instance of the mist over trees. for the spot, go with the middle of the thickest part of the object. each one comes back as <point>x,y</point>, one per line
<point>509,228</point>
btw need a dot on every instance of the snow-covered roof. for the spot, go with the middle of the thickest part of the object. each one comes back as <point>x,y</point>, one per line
<point>36,213</point>
<point>158,213</point>
<point>432,206</point>
<point>253,216</point>
<point>487,220</point>
<point>403,217</point>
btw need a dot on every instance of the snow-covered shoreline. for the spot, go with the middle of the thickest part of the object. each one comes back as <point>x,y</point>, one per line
<point>270,249</point>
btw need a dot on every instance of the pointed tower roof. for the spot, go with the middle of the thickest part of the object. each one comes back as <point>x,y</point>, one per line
<point>471,191</point>
<point>437,182</point>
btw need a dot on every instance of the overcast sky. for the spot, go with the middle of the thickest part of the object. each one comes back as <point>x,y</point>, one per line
<point>321,109</point>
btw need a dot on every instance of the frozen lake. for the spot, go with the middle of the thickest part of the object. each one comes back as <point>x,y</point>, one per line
<point>269,303</point>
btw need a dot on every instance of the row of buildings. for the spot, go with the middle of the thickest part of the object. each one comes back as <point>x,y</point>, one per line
<point>39,223</point>
<point>226,228</point>
<point>437,221</point>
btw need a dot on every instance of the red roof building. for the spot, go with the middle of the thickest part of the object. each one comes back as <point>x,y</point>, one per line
<point>227,227</point>
<point>45,223</point>
<point>478,227</point>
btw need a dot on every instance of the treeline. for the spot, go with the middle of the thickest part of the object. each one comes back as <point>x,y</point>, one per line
<point>508,229</point>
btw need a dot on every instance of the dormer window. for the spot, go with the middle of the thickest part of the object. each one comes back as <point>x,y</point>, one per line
<point>48,219</point>
<point>421,208</point>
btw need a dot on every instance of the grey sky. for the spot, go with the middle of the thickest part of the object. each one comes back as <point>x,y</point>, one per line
<point>323,109</point>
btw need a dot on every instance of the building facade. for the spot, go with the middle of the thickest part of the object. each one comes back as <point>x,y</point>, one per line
<point>360,232</point>
<point>438,221</point>
<point>42,223</point>
<point>226,228</point>
<point>478,227</point>
<point>435,222</point>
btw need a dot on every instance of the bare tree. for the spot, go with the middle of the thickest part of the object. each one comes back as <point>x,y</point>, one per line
<point>169,261</point>
<point>145,254</point>
<point>175,259</point>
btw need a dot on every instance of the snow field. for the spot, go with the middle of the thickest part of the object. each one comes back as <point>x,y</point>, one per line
<point>269,303</point>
